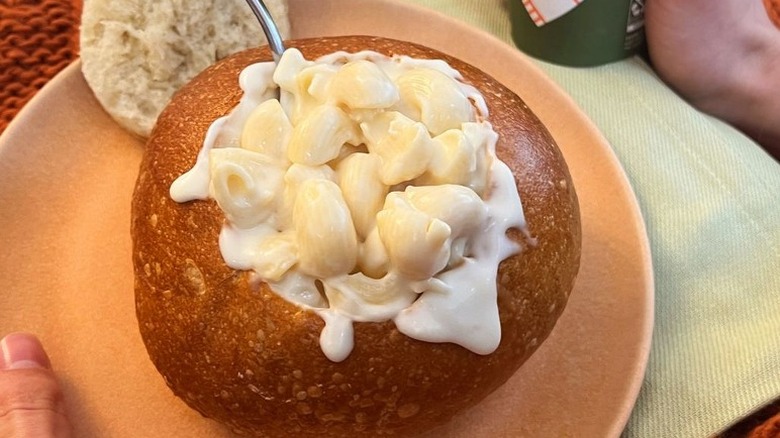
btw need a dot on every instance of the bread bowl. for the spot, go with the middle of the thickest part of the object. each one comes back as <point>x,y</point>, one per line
<point>236,351</point>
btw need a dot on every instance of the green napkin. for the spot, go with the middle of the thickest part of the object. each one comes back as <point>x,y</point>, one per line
<point>711,201</point>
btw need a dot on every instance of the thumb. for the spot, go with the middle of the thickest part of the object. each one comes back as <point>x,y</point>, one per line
<point>31,403</point>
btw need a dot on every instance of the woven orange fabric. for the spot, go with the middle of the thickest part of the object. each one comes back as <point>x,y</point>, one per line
<point>773,9</point>
<point>770,429</point>
<point>38,38</point>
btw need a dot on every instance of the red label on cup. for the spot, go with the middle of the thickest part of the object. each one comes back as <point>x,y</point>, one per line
<point>545,11</point>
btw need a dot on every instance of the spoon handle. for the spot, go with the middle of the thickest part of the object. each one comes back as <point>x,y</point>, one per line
<point>269,27</point>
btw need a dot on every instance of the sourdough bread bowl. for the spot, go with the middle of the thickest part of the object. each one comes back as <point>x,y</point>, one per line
<point>237,352</point>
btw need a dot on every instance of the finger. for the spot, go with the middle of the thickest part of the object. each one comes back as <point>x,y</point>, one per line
<point>22,350</point>
<point>31,402</point>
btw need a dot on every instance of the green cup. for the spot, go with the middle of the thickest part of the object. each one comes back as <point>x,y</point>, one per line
<point>594,32</point>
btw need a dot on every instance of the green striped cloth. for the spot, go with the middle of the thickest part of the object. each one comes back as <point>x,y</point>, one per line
<point>711,201</point>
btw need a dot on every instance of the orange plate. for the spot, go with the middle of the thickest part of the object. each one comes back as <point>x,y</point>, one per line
<point>66,178</point>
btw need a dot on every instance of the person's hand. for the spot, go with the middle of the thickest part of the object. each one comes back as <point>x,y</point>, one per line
<point>722,56</point>
<point>31,402</point>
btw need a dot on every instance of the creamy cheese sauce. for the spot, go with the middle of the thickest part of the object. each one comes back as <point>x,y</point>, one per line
<point>438,286</point>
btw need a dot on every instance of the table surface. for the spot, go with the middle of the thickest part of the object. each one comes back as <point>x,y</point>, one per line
<point>39,38</point>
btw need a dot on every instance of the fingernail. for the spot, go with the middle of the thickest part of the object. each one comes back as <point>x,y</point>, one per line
<point>23,350</point>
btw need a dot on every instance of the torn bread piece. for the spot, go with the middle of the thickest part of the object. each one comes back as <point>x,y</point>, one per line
<point>136,54</point>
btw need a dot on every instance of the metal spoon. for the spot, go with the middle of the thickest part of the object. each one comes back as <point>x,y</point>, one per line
<point>269,28</point>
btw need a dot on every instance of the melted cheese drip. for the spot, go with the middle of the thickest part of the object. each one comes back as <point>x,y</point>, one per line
<point>458,303</point>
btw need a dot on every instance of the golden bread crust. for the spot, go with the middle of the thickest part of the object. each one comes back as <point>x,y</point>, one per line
<point>238,353</point>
